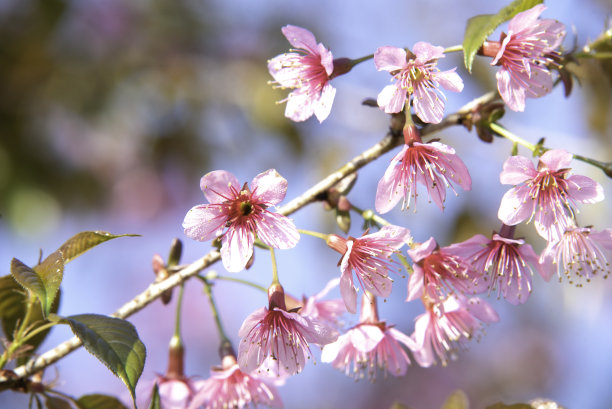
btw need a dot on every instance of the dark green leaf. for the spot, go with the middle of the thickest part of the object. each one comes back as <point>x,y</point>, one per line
<point>480,27</point>
<point>85,240</point>
<point>514,406</point>
<point>114,342</point>
<point>97,401</point>
<point>155,401</point>
<point>456,400</point>
<point>52,402</point>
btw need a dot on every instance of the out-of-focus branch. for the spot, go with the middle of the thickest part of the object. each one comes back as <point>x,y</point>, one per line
<point>155,290</point>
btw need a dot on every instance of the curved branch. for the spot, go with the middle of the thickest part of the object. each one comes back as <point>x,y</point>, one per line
<point>155,290</point>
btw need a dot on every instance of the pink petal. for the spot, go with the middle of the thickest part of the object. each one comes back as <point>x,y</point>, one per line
<point>389,58</point>
<point>387,193</point>
<point>300,38</point>
<point>347,289</point>
<point>585,189</point>
<point>237,248</point>
<point>300,106</point>
<point>420,251</point>
<point>366,337</point>
<point>217,186</point>
<point>548,261</point>
<point>450,80</point>
<point>204,222</point>
<point>517,169</point>
<point>392,99</point>
<point>251,321</point>
<point>277,231</point>
<point>323,106</point>
<point>455,168</point>
<point>269,187</point>
<point>603,237</point>
<point>423,352</point>
<point>556,159</point>
<point>524,20</point>
<point>327,59</point>
<point>428,105</point>
<point>513,96</point>
<point>469,247</point>
<point>415,284</point>
<point>526,251</point>
<point>482,310</point>
<point>516,205</point>
<point>403,338</point>
<point>427,52</point>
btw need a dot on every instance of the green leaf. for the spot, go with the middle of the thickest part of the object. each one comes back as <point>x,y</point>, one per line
<point>43,280</point>
<point>456,400</point>
<point>97,401</point>
<point>480,27</point>
<point>52,402</point>
<point>86,240</point>
<point>114,342</point>
<point>155,401</point>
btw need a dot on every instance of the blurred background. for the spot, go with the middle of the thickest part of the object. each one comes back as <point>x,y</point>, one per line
<point>111,111</point>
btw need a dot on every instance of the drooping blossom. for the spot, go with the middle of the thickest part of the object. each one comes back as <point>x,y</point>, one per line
<point>307,70</point>
<point>505,262</point>
<point>523,54</point>
<point>369,256</point>
<point>370,345</point>
<point>441,271</point>
<point>325,311</point>
<point>446,326</point>
<point>417,75</point>
<point>230,387</point>
<point>243,210</point>
<point>546,194</point>
<point>282,336</point>
<point>433,164</point>
<point>579,254</point>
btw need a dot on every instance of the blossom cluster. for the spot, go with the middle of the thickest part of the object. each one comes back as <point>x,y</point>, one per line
<point>278,339</point>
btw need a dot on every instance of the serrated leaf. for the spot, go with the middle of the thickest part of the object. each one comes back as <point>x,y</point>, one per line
<point>456,400</point>
<point>513,406</point>
<point>114,342</point>
<point>98,401</point>
<point>43,280</point>
<point>51,402</point>
<point>86,240</point>
<point>480,27</point>
<point>155,400</point>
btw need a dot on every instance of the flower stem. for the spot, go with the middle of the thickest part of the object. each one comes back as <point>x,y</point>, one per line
<point>370,216</point>
<point>274,268</point>
<point>215,312</point>
<point>314,234</point>
<point>177,319</point>
<point>360,60</point>
<point>509,135</point>
<point>241,281</point>
<point>453,49</point>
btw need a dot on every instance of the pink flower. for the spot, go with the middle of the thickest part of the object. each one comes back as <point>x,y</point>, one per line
<point>244,212</point>
<point>174,393</point>
<point>229,387</point>
<point>369,256</point>
<point>369,345</point>
<point>433,164</point>
<point>326,311</point>
<point>523,54</point>
<point>417,75</point>
<point>307,69</point>
<point>439,272</point>
<point>447,325</point>
<point>546,195</point>
<point>578,253</point>
<point>280,335</point>
<point>504,261</point>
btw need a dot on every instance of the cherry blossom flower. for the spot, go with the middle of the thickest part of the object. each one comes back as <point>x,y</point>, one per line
<point>369,345</point>
<point>417,75</point>
<point>369,256</point>
<point>433,164</point>
<point>306,69</point>
<point>546,195</point>
<point>280,335</point>
<point>244,212</point>
<point>441,271</point>
<point>579,253</point>
<point>523,54</point>
<point>504,261</point>
<point>229,387</point>
<point>326,311</point>
<point>446,325</point>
